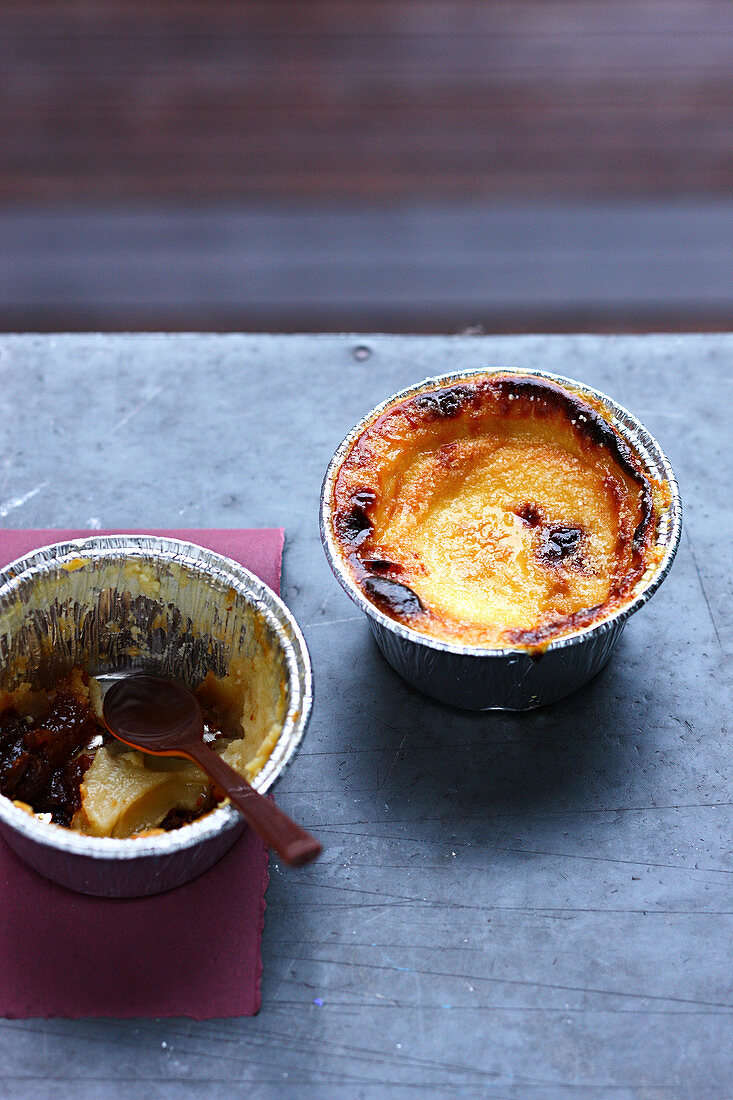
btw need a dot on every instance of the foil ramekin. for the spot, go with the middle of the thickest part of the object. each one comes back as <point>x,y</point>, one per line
<point>111,603</point>
<point>504,678</point>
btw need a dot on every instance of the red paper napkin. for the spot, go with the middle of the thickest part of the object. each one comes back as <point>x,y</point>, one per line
<point>194,951</point>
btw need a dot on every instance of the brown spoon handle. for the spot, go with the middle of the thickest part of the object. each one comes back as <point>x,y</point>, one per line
<point>291,843</point>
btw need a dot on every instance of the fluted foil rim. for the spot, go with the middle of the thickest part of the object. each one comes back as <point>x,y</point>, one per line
<point>640,440</point>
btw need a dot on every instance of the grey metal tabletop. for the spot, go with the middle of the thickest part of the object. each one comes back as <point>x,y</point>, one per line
<point>510,905</point>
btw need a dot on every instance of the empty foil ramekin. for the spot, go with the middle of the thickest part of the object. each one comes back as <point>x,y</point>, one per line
<point>111,603</point>
<point>517,678</point>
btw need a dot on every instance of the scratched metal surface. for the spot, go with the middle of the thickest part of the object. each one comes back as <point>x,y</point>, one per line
<point>534,905</point>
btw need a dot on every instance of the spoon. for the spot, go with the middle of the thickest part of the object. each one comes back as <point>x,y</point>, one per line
<point>164,718</point>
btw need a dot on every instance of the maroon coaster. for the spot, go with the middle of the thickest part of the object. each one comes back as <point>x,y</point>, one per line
<point>194,951</point>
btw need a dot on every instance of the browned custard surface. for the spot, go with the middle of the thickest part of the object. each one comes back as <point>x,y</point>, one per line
<point>497,511</point>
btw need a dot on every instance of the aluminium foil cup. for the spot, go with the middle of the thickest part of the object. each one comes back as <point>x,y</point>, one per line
<point>116,603</point>
<point>517,678</point>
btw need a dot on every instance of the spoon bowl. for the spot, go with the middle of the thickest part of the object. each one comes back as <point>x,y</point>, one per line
<point>164,718</point>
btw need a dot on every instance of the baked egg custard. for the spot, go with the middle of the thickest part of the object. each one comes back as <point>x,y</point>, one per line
<point>59,762</point>
<point>501,510</point>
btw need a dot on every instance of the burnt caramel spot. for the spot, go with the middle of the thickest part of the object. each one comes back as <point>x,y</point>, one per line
<point>353,524</point>
<point>647,514</point>
<point>446,403</point>
<point>530,513</point>
<point>392,597</point>
<point>547,631</point>
<point>546,396</point>
<point>382,565</point>
<point>559,542</point>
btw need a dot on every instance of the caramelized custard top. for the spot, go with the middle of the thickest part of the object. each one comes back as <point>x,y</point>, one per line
<point>499,511</point>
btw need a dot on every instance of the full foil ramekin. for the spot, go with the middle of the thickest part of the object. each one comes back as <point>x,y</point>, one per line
<point>110,603</point>
<point>517,678</point>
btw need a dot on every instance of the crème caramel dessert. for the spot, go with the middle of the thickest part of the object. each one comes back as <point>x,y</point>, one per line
<point>499,511</point>
<point>59,762</point>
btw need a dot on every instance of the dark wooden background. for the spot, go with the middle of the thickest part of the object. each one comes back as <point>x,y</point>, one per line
<point>365,98</point>
<point>160,104</point>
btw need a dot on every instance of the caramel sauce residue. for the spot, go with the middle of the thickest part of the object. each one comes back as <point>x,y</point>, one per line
<point>500,511</point>
<point>59,762</point>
